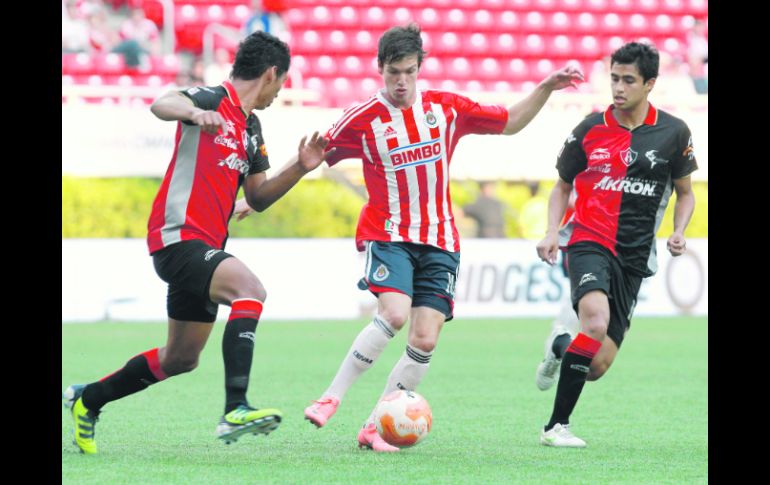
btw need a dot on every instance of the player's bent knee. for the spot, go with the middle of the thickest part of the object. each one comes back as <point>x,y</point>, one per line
<point>426,344</point>
<point>597,370</point>
<point>395,318</point>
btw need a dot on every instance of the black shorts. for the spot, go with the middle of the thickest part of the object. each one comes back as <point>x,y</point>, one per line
<point>424,273</point>
<point>594,267</point>
<point>187,267</point>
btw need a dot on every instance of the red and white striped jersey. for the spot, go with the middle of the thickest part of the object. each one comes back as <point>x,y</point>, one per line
<point>406,155</point>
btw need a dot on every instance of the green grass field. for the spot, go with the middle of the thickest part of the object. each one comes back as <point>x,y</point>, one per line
<point>645,421</point>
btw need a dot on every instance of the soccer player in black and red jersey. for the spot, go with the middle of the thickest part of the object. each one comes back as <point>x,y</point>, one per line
<point>219,148</point>
<point>623,163</point>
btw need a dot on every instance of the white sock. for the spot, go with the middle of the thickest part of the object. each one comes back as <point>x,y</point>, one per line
<point>406,374</point>
<point>367,346</point>
<point>567,318</point>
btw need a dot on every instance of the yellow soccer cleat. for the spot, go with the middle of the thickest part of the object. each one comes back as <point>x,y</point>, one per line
<point>84,419</point>
<point>245,419</point>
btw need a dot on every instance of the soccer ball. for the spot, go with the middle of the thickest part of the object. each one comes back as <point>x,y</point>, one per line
<point>403,418</point>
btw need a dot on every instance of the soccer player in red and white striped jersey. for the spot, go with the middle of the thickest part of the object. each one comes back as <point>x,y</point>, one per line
<point>405,138</point>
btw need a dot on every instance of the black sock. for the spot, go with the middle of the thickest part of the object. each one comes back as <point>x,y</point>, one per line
<point>138,373</point>
<point>574,370</point>
<point>238,350</point>
<point>560,345</point>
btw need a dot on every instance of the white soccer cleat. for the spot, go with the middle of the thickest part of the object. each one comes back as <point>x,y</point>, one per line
<point>548,370</point>
<point>561,436</point>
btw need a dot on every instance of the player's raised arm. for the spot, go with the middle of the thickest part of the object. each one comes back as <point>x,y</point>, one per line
<point>521,113</point>
<point>174,106</point>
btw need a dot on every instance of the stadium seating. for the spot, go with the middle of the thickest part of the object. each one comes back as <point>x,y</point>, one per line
<point>496,43</point>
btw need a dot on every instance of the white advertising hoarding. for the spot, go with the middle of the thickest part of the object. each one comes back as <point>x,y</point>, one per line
<point>114,279</point>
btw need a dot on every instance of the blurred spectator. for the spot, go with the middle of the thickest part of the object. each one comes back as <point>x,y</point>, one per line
<point>698,56</point>
<point>487,211</point>
<point>104,38</point>
<point>265,19</point>
<point>74,29</point>
<point>219,70</point>
<point>533,218</point>
<point>141,29</point>
<point>197,73</point>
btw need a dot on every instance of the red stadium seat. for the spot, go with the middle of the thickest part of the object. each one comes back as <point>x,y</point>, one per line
<point>520,5</point>
<point>621,6</point>
<point>351,67</point>
<point>429,18</point>
<point>427,41</point>
<point>432,68</point>
<point>481,21</point>
<point>364,43</point>
<point>585,23</point>
<point>559,46</point>
<point>533,22</point>
<point>674,46</point>
<point>647,6</point>
<point>588,47</point>
<point>460,68</point>
<point>237,15</point>
<point>492,4</point>
<point>637,25</point>
<point>125,81</point>
<point>401,16</point>
<point>473,86</point>
<point>337,42</point>
<point>507,21</point>
<point>323,66</point>
<point>213,14</point>
<point>611,44</point>
<point>448,43</point>
<point>67,80</point>
<point>504,45</point>
<point>367,87</point>
<point>466,5</point>
<point>542,68</point>
<point>569,5</point>
<point>545,5</point>
<point>595,6</point>
<point>95,80</point>
<point>449,85</point>
<point>697,8</point>
<point>308,42</point>
<point>297,18</point>
<point>515,70</point>
<point>320,17</point>
<point>533,45</point>
<point>374,19</point>
<point>346,17</point>
<point>487,68</point>
<point>111,63</point>
<point>454,20</point>
<point>663,25</point>
<point>186,14</point>
<point>558,23</point>
<point>80,63</point>
<point>167,65</point>
<point>475,44</point>
<point>301,64</point>
<point>673,6</point>
<point>610,23</point>
<point>500,87</point>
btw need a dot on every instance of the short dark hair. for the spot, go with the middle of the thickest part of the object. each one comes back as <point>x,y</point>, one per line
<point>645,56</point>
<point>398,43</point>
<point>257,53</point>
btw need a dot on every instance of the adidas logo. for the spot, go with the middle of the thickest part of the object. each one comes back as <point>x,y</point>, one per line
<point>390,132</point>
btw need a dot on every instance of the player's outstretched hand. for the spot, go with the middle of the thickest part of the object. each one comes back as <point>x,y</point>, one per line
<point>564,77</point>
<point>311,155</point>
<point>548,248</point>
<point>242,210</point>
<point>676,245</point>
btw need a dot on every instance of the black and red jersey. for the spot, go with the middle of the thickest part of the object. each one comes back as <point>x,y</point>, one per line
<point>197,196</point>
<point>623,180</point>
